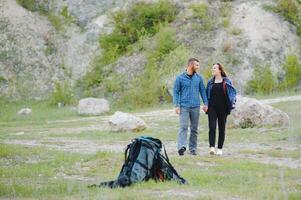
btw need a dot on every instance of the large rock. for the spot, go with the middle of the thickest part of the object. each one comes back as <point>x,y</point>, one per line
<point>250,112</point>
<point>24,111</point>
<point>93,106</point>
<point>126,122</point>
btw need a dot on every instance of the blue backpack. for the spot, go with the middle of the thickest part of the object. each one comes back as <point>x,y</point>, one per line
<point>144,161</point>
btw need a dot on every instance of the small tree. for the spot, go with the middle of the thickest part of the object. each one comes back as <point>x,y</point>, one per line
<point>263,80</point>
<point>62,93</point>
<point>292,70</point>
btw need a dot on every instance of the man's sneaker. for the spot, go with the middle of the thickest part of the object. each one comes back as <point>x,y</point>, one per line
<point>219,152</point>
<point>212,151</point>
<point>181,151</point>
<point>193,152</point>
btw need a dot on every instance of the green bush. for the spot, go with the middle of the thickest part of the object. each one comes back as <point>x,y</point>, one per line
<point>40,6</point>
<point>226,23</point>
<point>292,70</point>
<point>200,11</point>
<point>175,61</point>
<point>144,90</point>
<point>66,15</point>
<point>29,4</point>
<point>62,93</point>
<point>225,9</point>
<point>57,20</point>
<point>236,31</point>
<point>290,10</point>
<point>140,21</point>
<point>165,42</point>
<point>148,89</point>
<point>263,81</point>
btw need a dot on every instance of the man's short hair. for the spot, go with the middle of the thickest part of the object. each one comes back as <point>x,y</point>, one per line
<point>192,60</point>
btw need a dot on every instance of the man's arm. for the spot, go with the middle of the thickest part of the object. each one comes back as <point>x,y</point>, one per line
<point>176,95</point>
<point>202,90</point>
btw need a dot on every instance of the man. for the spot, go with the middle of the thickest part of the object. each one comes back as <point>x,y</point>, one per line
<point>186,98</point>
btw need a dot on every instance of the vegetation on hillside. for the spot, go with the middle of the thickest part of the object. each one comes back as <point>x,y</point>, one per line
<point>265,82</point>
<point>139,22</point>
<point>146,28</point>
<point>58,20</point>
<point>290,10</point>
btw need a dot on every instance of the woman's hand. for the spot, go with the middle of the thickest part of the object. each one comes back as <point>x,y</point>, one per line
<point>177,110</point>
<point>205,108</point>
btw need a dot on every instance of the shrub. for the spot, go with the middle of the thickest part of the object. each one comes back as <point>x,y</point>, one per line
<point>29,4</point>
<point>65,13</point>
<point>292,70</point>
<point>263,80</point>
<point>290,10</point>
<point>200,11</point>
<point>62,93</point>
<point>226,23</point>
<point>175,61</point>
<point>140,20</point>
<point>225,9</point>
<point>236,31</point>
<point>57,21</point>
<point>144,91</point>
<point>165,42</point>
<point>231,59</point>
<point>148,89</point>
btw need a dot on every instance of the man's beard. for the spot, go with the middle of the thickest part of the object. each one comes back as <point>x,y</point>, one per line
<point>195,70</point>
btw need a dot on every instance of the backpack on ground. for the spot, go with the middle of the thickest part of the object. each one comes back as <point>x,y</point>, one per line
<point>144,161</point>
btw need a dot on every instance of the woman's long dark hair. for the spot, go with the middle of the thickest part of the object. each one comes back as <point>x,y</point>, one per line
<point>222,69</point>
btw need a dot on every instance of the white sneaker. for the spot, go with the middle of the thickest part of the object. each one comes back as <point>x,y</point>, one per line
<point>219,152</point>
<point>212,151</point>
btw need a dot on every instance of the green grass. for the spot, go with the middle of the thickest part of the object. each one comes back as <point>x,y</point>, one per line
<point>277,153</point>
<point>41,111</point>
<point>275,94</point>
<point>41,172</point>
<point>236,178</point>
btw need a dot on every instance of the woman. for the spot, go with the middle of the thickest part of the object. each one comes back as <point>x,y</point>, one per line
<point>221,100</point>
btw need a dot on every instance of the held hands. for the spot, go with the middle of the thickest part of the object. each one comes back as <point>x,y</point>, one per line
<point>205,108</point>
<point>177,110</point>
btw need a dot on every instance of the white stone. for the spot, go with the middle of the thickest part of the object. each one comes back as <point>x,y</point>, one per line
<point>250,112</point>
<point>93,106</point>
<point>20,133</point>
<point>126,122</point>
<point>25,111</point>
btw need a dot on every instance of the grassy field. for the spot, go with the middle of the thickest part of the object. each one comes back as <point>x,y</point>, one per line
<point>55,154</point>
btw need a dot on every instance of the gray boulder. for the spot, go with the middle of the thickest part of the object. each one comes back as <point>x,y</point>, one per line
<point>25,111</point>
<point>126,122</point>
<point>93,106</point>
<point>250,112</point>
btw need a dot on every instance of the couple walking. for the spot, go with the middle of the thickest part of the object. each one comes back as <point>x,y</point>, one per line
<point>218,97</point>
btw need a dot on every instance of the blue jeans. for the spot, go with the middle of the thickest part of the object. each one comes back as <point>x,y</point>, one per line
<point>188,116</point>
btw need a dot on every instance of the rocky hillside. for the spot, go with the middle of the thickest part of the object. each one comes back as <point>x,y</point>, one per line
<point>58,40</point>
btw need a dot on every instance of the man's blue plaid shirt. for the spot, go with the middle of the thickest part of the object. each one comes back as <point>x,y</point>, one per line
<point>187,91</point>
